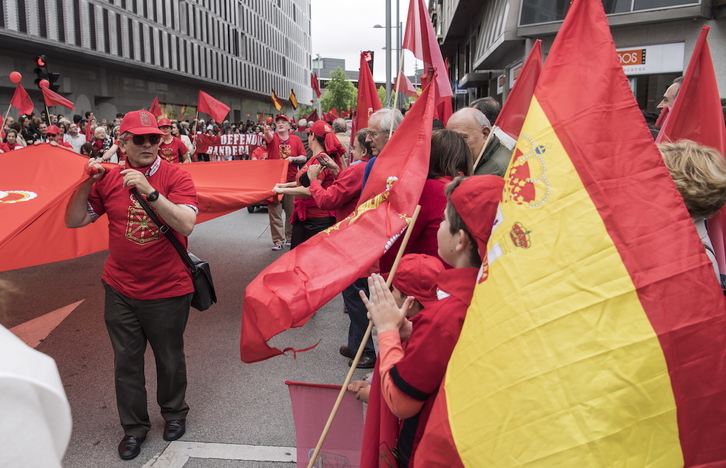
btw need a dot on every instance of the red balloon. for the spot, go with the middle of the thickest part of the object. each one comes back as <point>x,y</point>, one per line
<point>44,83</point>
<point>15,77</point>
<point>270,120</point>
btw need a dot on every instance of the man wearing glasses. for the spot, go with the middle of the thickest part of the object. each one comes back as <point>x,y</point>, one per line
<point>148,286</point>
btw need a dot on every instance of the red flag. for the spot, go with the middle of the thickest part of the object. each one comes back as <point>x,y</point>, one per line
<point>697,115</point>
<point>155,108</point>
<point>33,211</point>
<point>89,133</point>
<point>630,352</point>
<point>275,100</point>
<point>211,106</point>
<point>511,118</point>
<point>315,84</point>
<point>52,98</point>
<point>368,99</point>
<point>313,116</point>
<point>311,405</point>
<point>293,100</point>
<point>334,113</point>
<point>289,291</point>
<point>420,39</point>
<point>2,127</point>
<point>21,101</point>
<point>403,85</point>
<point>445,107</point>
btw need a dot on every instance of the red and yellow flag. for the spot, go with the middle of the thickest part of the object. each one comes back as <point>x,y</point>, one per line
<point>288,292</point>
<point>293,100</point>
<point>597,339</point>
<point>275,100</point>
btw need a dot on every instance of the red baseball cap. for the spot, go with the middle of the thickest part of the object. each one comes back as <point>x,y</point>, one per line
<point>140,122</point>
<point>53,130</point>
<point>321,128</point>
<point>283,117</point>
<point>164,122</point>
<point>418,276</point>
<point>476,201</point>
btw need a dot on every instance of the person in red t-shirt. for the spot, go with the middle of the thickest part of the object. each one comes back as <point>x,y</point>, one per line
<point>53,134</point>
<point>260,152</point>
<point>408,379</point>
<point>172,149</point>
<point>148,285</point>
<point>283,145</point>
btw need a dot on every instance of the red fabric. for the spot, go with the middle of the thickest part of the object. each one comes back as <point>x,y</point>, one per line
<point>89,133</point>
<point>142,263</point>
<point>155,108</point>
<point>4,147</point>
<point>368,99</point>
<point>293,99</point>
<point>259,153</point>
<point>315,84</point>
<point>343,195</point>
<point>311,209</point>
<point>403,85</point>
<point>697,115</point>
<point>222,187</point>
<point>21,101</point>
<point>275,100</point>
<point>423,236</point>
<point>314,116</point>
<point>287,293</point>
<point>515,108</point>
<point>54,99</point>
<point>627,181</point>
<point>420,39</point>
<point>662,116</point>
<point>172,152</point>
<point>380,434</point>
<point>209,105</point>
<point>278,148</point>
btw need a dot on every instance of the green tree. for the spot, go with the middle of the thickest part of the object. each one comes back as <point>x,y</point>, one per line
<point>405,102</point>
<point>339,92</point>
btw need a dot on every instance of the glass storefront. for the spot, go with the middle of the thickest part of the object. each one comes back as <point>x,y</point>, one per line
<point>548,11</point>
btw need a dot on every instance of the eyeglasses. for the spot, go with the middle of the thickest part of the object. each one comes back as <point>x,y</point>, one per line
<point>372,134</point>
<point>141,139</point>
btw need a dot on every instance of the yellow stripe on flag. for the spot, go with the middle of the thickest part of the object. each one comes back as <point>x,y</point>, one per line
<point>557,364</point>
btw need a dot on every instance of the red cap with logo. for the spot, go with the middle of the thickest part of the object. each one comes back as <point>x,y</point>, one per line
<point>418,276</point>
<point>53,130</point>
<point>321,128</point>
<point>164,122</point>
<point>140,122</point>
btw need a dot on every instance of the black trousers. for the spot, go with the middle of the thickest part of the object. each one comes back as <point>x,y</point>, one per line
<point>303,230</point>
<point>131,324</point>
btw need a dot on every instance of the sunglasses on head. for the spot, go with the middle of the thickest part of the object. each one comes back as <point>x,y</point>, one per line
<point>141,139</point>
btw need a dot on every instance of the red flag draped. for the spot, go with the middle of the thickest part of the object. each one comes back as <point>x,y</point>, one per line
<point>697,115</point>
<point>420,39</point>
<point>275,100</point>
<point>315,84</point>
<point>211,106</point>
<point>21,101</point>
<point>368,99</point>
<point>511,118</point>
<point>288,292</point>
<point>54,99</point>
<point>155,108</point>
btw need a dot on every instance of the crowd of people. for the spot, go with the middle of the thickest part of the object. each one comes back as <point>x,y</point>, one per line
<point>328,170</point>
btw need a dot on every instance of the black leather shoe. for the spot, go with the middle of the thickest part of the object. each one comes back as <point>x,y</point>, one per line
<point>130,447</point>
<point>364,363</point>
<point>174,429</point>
<point>345,351</point>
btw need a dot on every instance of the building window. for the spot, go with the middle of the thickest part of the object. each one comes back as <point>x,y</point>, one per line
<point>548,11</point>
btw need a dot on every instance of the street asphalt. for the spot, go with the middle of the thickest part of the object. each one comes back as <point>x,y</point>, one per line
<point>245,407</point>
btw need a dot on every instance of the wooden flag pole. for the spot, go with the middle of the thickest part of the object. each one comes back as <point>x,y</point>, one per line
<point>481,153</point>
<point>363,342</point>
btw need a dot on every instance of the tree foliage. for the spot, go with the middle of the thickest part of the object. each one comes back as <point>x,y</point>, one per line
<point>339,92</point>
<point>405,102</point>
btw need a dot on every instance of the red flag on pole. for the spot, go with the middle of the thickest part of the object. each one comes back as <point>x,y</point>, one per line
<point>21,101</point>
<point>52,98</point>
<point>420,39</point>
<point>403,85</point>
<point>293,100</point>
<point>275,100</point>
<point>313,116</point>
<point>599,358</point>
<point>315,84</point>
<point>288,292</point>
<point>155,108</point>
<point>697,115</point>
<point>368,99</point>
<point>211,106</point>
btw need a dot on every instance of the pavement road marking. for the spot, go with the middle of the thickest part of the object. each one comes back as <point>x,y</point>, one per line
<point>33,332</point>
<point>179,452</point>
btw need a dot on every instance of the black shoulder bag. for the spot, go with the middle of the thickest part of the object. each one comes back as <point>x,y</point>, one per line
<point>204,294</point>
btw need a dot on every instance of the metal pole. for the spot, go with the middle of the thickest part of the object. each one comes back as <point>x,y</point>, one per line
<point>398,45</point>
<point>388,53</point>
<point>320,80</point>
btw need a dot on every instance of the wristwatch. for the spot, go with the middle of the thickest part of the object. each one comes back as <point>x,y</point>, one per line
<point>153,196</point>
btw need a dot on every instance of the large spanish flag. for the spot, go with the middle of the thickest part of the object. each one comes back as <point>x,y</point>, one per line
<point>598,338</point>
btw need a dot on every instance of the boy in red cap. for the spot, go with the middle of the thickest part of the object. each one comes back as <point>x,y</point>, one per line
<point>408,381</point>
<point>172,149</point>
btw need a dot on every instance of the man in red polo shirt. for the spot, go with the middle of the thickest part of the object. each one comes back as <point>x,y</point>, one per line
<point>283,145</point>
<point>148,286</point>
<point>172,149</point>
